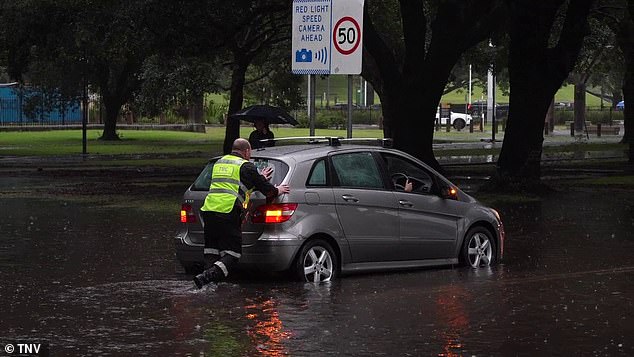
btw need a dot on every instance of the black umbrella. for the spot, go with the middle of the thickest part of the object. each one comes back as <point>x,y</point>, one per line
<point>270,114</point>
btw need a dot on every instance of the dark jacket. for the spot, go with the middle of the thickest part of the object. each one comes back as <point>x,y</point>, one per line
<point>256,136</point>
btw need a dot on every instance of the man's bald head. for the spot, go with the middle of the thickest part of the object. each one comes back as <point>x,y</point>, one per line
<point>243,146</point>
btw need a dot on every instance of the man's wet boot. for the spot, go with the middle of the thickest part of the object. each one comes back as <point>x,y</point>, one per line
<point>212,274</point>
<point>201,279</point>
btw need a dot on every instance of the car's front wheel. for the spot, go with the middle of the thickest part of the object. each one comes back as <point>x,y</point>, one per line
<point>316,262</point>
<point>478,248</point>
<point>459,124</point>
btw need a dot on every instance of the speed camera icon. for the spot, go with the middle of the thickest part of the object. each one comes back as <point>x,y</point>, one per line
<point>303,55</point>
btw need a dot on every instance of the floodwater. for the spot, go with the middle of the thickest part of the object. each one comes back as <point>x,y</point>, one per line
<point>91,280</point>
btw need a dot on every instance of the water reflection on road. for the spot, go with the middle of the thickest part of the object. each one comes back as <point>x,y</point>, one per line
<point>91,280</point>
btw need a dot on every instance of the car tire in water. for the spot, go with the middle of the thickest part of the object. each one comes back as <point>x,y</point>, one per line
<point>316,262</point>
<point>479,248</point>
<point>459,124</point>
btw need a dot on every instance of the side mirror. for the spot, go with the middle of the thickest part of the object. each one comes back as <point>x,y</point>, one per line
<point>449,192</point>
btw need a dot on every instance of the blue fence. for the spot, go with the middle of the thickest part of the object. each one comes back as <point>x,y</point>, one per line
<point>14,111</point>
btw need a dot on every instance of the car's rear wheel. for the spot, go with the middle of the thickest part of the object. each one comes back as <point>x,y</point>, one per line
<point>478,248</point>
<point>459,124</point>
<point>316,262</point>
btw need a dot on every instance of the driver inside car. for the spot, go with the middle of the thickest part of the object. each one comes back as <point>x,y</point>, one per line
<point>408,186</point>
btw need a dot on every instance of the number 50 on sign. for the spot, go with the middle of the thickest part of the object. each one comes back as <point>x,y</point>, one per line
<point>347,35</point>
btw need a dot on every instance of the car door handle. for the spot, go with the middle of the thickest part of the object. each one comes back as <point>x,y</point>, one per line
<point>350,198</point>
<point>405,203</point>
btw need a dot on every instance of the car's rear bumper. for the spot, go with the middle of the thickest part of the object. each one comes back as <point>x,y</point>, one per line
<point>267,255</point>
<point>270,255</point>
<point>187,253</point>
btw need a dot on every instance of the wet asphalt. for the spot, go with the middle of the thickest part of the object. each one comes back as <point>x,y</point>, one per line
<point>93,279</point>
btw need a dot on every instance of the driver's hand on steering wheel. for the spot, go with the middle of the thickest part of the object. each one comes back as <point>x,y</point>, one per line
<point>408,186</point>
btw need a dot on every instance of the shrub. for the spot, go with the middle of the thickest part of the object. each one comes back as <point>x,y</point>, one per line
<point>603,116</point>
<point>593,116</point>
<point>214,113</point>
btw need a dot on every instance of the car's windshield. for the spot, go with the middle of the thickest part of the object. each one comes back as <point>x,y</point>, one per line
<point>280,169</point>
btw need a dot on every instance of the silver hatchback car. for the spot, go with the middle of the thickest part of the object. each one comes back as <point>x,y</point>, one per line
<point>349,211</point>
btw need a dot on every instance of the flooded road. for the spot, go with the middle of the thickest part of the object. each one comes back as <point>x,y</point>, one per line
<point>95,280</point>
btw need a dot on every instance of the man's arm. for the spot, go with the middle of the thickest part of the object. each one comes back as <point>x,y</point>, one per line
<point>252,179</point>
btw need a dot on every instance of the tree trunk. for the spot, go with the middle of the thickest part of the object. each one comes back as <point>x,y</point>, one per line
<point>232,131</point>
<point>580,107</point>
<point>520,158</point>
<point>550,117</point>
<point>112,106</point>
<point>536,72</point>
<point>195,113</point>
<point>415,132</point>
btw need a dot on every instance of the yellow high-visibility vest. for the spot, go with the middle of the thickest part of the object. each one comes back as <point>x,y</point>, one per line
<point>225,186</point>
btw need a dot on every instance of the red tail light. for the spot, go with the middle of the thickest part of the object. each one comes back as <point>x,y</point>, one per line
<point>187,214</point>
<point>274,213</point>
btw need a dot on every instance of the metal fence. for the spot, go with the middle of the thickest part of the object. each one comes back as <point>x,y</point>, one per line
<point>13,113</point>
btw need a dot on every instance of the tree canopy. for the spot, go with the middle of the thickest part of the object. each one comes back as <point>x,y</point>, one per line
<point>155,54</point>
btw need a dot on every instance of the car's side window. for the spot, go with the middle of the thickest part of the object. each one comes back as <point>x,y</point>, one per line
<point>357,170</point>
<point>401,170</point>
<point>318,175</point>
<point>203,181</point>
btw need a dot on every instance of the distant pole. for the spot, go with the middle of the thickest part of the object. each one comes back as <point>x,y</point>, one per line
<point>491,96</point>
<point>490,90</point>
<point>84,120</point>
<point>84,114</point>
<point>493,122</point>
<point>365,93</point>
<point>328,92</point>
<point>470,84</point>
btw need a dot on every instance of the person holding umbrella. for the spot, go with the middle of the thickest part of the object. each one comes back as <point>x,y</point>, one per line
<point>261,132</point>
<point>261,116</point>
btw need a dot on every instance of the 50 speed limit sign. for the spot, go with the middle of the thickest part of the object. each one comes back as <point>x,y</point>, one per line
<point>346,35</point>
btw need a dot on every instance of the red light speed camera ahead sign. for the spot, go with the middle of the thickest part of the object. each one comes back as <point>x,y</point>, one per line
<point>321,48</point>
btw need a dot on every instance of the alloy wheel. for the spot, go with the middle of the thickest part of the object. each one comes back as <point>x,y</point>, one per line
<point>479,250</point>
<point>318,265</point>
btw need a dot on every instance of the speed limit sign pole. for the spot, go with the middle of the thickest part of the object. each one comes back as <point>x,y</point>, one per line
<point>349,131</point>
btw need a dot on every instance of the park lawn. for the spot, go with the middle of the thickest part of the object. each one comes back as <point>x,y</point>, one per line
<point>69,142</point>
<point>188,145</point>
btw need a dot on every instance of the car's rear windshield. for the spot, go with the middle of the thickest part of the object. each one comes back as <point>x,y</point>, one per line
<point>280,170</point>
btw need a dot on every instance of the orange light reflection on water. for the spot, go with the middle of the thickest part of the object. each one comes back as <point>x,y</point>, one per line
<point>452,316</point>
<point>268,333</point>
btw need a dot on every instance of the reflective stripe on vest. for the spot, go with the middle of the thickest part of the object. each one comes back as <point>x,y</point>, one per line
<point>226,186</point>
